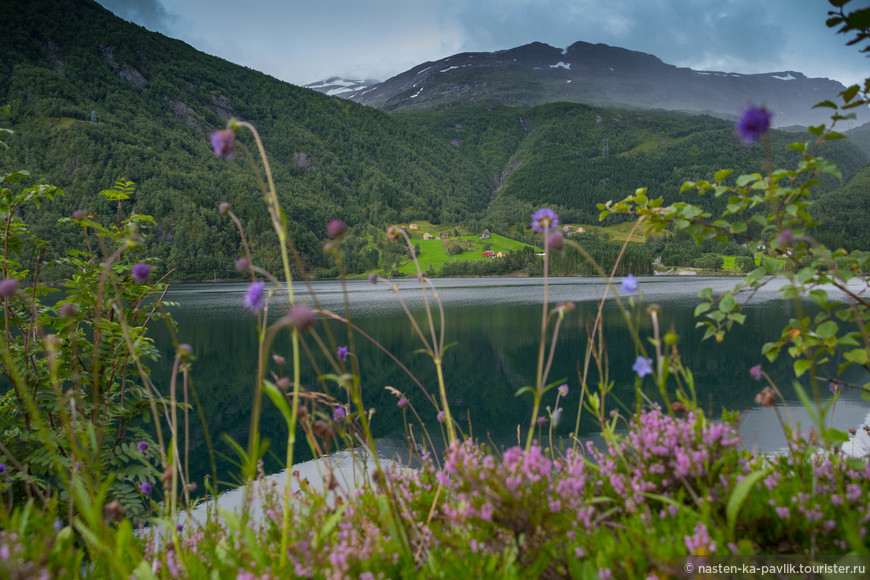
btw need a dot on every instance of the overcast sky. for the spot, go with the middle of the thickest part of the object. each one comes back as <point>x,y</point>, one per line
<point>306,41</point>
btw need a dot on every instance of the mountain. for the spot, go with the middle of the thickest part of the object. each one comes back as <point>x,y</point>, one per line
<point>601,75</point>
<point>344,88</point>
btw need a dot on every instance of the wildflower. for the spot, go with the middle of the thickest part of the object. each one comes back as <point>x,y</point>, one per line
<point>323,430</point>
<point>563,390</point>
<point>555,241</point>
<point>301,316</point>
<point>253,298</point>
<point>784,239</point>
<point>629,284</point>
<point>185,350</point>
<point>223,208</point>
<point>143,446</point>
<point>140,272</point>
<point>335,229</point>
<point>835,387</point>
<point>145,488</point>
<point>754,123</point>
<point>756,372</point>
<point>283,383</point>
<point>557,417</point>
<point>223,143</point>
<point>373,278</point>
<point>79,214</point>
<point>67,309</point>
<point>243,264</point>
<point>441,416</point>
<point>642,366</point>
<point>339,415</point>
<point>179,528</point>
<point>766,398</point>
<point>541,421</point>
<point>2,468</point>
<point>403,402</point>
<point>544,220</point>
<point>342,353</point>
<point>8,287</point>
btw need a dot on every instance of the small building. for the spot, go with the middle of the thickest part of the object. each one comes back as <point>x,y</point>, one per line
<point>580,230</point>
<point>489,254</point>
<point>444,236</point>
<point>428,236</point>
<point>567,229</point>
<point>485,235</point>
<point>412,227</point>
<point>501,255</point>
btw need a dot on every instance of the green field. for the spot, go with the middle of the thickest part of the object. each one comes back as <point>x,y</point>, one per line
<point>434,253</point>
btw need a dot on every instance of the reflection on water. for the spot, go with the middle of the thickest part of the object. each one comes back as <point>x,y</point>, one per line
<point>495,324</point>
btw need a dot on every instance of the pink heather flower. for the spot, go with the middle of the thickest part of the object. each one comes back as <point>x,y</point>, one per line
<point>253,299</point>
<point>403,402</point>
<point>756,372</point>
<point>342,353</point>
<point>335,229</point>
<point>140,272</point>
<point>563,390</point>
<point>544,220</point>
<point>629,284</point>
<point>223,143</point>
<point>441,416</point>
<point>555,241</point>
<point>541,420</point>
<point>642,366</point>
<point>143,446</point>
<point>754,123</point>
<point>242,264</point>
<point>339,415</point>
<point>8,287</point>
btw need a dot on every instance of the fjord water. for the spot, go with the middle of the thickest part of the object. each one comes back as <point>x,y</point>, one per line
<point>493,325</point>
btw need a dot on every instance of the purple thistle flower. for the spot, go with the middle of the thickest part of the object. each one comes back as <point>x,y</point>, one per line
<point>556,241</point>
<point>223,143</point>
<point>403,402</point>
<point>301,316</point>
<point>253,299</point>
<point>140,272</point>
<point>339,415</point>
<point>8,287</point>
<point>335,229</point>
<point>754,123</point>
<point>342,353</point>
<point>145,488</point>
<point>756,372</point>
<point>143,446</point>
<point>179,528</point>
<point>544,220</point>
<point>642,366</point>
<point>629,284</point>
<point>563,390</point>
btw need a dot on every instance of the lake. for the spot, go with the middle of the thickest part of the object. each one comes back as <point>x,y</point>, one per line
<point>494,324</point>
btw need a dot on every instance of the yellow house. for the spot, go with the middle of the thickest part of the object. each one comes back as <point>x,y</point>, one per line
<point>412,227</point>
<point>500,255</point>
<point>428,236</point>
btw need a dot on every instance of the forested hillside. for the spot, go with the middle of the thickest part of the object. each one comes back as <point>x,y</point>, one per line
<point>95,99</point>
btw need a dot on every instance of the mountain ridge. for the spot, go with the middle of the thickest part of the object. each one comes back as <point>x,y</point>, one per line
<point>599,75</point>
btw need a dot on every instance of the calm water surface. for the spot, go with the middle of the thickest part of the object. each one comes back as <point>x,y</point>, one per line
<point>494,324</point>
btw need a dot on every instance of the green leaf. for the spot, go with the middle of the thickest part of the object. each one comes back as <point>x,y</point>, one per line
<point>702,308</point>
<point>857,355</point>
<point>827,329</point>
<point>728,303</point>
<point>829,104</point>
<point>738,497</point>
<point>801,366</point>
<point>722,174</point>
<point>738,227</point>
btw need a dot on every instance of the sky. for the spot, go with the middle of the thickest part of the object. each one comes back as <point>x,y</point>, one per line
<point>304,41</point>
